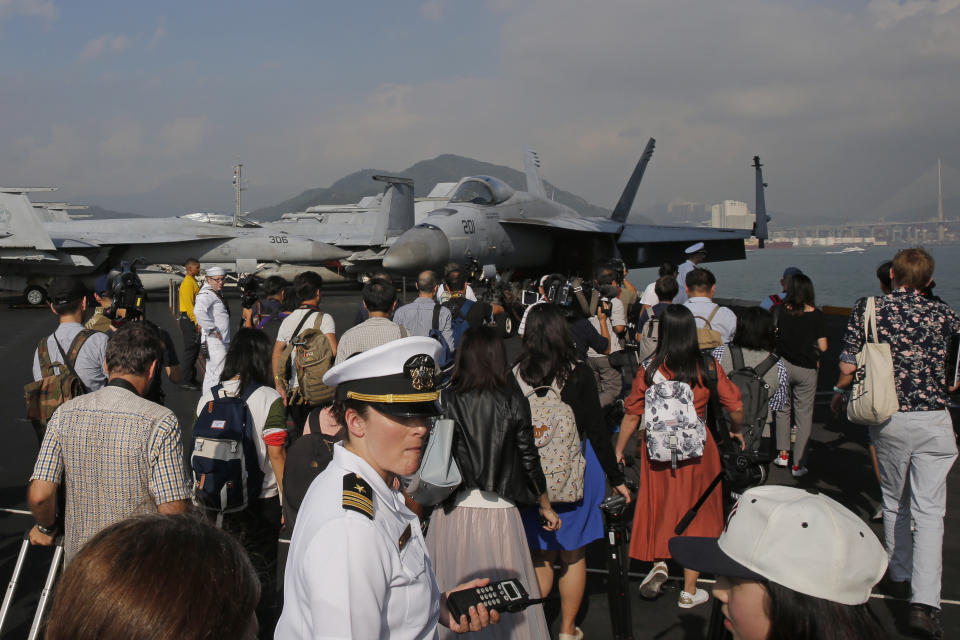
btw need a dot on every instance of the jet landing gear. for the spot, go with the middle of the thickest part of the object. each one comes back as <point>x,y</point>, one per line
<point>35,295</point>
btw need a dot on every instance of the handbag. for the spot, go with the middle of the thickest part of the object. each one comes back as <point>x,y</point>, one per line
<point>438,475</point>
<point>873,395</point>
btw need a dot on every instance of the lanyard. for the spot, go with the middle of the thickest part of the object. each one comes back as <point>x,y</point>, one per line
<point>123,384</point>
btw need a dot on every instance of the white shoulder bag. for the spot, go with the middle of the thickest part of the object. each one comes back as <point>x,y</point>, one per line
<point>873,395</point>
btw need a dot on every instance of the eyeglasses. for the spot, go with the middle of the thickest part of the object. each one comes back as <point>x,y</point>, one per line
<point>216,279</point>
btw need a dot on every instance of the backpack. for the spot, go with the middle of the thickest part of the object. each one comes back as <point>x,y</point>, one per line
<point>226,471</point>
<point>558,442</point>
<point>775,300</point>
<point>459,307</point>
<point>43,396</point>
<point>647,344</point>
<point>270,324</point>
<point>707,336</point>
<point>674,431</point>
<point>755,393</point>
<point>263,309</point>
<point>313,358</point>
<point>446,357</point>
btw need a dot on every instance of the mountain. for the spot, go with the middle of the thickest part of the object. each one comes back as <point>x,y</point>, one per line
<point>425,174</point>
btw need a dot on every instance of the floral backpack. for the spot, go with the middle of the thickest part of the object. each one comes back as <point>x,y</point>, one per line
<point>674,431</point>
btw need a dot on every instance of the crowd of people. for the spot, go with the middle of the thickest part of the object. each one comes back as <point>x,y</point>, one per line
<point>606,384</point>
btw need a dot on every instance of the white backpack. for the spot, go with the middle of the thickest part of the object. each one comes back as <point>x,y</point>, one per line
<point>558,442</point>
<point>674,431</point>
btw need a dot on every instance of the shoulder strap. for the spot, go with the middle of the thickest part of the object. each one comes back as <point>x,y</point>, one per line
<point>649,323</point>
<point>303,320</point>
<point>766,365</point>
<point>43,356</point>
<point>713,313</point>
<point>70,358</point>
<point>736,354</point>
<point>436,316</point>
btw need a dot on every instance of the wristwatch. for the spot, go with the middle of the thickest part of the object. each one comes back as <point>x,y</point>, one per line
<point>47,531</point>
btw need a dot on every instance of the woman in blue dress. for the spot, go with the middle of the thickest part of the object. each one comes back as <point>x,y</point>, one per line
<point>549,358</point>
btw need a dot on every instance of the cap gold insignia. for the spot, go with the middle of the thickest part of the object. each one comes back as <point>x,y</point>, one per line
<point>421,371</point>
<point>357,495</point>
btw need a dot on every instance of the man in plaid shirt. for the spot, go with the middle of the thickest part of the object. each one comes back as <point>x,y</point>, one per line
<point>116,454</point>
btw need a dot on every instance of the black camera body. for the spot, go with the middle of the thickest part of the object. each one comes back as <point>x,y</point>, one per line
<point>128,294</point>
<point>250,286</point>
<point>743,469</point>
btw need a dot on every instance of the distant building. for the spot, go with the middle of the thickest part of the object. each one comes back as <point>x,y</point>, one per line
<point>732,214</point>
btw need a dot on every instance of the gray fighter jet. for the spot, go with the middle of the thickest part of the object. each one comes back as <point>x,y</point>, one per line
<point>489,222</point>
<point>34,251</point>
<point>363,230</point>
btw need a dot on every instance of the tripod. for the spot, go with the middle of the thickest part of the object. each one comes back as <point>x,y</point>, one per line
<point>617,535</point>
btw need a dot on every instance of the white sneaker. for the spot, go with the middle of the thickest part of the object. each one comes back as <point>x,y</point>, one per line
<point>688,601</point>
<point>799,472</point>
<point>650,587</point>
<point>782,460</point>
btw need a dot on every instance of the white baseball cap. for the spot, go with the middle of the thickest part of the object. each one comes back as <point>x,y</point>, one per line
<point>801,540</point>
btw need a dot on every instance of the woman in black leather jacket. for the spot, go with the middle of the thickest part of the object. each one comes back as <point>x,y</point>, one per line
<point>479,529</point>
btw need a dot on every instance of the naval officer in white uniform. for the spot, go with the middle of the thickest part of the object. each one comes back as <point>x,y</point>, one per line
<point>696,253</point>
<point>358,565</point>
<point>213,317</point>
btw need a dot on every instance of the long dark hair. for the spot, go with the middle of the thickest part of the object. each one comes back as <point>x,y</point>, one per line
<point>799,294</point>
<point>677,346</point>
<point>481,362</point>
<point>755,330</point>
<point>549,351</point>
<point>795,616</point>
<point>249,357</point>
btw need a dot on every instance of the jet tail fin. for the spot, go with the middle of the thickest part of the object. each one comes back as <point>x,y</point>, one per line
<point>396,208</point>
<point>622,210</point>
<point>760,226</point>
<point>531,166</point>
<point>20,227</point>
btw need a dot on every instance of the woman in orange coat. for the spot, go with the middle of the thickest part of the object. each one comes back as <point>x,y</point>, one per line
<point>666,494</point>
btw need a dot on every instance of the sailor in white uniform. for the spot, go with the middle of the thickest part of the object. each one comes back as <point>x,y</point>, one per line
<point>213,317</point>
<point>696,253</point>
<point>358,565</point>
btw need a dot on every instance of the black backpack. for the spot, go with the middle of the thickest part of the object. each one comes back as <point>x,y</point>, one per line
<point>459,307</point>
<point>754,392</point>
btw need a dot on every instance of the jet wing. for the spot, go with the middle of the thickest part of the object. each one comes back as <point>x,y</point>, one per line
<point>592,225</point>
<point>89,240</point>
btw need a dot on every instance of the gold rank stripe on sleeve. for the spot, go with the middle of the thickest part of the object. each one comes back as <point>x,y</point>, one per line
<point>391,398</point>
<point>357,495</point>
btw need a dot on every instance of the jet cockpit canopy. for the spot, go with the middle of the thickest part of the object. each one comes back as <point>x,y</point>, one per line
<point>482,190</point>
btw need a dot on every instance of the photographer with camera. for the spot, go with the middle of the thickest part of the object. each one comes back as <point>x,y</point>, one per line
<point>679,380</point>
<point>606,309</point>
<point>128,304</point>
<point>259,309</point>
<point>585,335</point>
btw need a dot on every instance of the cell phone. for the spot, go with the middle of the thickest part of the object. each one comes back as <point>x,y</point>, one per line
<point>504,596</point>
<point>529,297</point>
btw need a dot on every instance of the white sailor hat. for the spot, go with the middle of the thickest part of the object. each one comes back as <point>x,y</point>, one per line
<point>399,378</point>
<point>695,248</point>
<point>215,271</point>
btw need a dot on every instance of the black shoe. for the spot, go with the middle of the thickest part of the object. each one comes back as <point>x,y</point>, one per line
<point>899,589</point>
<point>925,621</point>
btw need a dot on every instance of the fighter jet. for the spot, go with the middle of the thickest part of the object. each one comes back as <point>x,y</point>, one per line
<point>489,222</point>
<point>33,251</point>
<point>363,230</point>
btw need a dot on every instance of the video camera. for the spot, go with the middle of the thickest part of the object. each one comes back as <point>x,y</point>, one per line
<point>250,286</point>
<point>743,469</point>
<point>128,294</point>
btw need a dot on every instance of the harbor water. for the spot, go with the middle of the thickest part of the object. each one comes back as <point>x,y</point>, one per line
<point>838,279</point>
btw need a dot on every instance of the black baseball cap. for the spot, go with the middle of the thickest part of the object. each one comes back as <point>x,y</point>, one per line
<point>65,290</point>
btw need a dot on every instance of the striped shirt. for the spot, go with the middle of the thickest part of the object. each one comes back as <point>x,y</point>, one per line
<point>117,455</point>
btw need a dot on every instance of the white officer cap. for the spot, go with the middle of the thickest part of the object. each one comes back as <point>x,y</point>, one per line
<point>398,378</point>
<point>215,271</point>
<point>801,540</point>
<point>695,248</point>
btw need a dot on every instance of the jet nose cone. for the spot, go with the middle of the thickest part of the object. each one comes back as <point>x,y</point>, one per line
<point>322,252</point>
<point>417,249</point>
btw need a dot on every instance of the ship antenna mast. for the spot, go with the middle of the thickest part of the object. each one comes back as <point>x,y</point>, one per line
<point>237,188</point>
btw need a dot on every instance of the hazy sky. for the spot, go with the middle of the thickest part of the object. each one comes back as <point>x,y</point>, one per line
<point>846,102</point>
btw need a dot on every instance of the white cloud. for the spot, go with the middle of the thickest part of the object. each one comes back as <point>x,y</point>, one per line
<point>105,44</point>
<point>433,10</point>
<point>182,136</point>
<point>889,13</point>
<point>33,8</point>
<point>159,33</point>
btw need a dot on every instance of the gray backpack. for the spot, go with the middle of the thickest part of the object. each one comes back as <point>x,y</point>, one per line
<point>755,393</point>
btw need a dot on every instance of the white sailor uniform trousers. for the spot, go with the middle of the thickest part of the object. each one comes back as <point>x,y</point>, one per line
<point>213,317</point>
